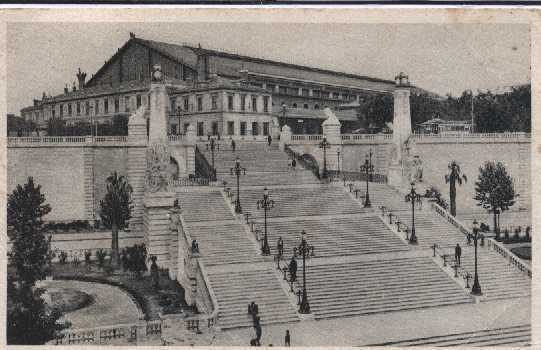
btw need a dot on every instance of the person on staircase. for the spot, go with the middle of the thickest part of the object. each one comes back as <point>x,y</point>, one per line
<point>280,247</point>
<point>293,164</point>
<point>233,145</point>
<point>293,269</point>
<point>458,254</point>
<point>269,139</point>
<point>287,340</point>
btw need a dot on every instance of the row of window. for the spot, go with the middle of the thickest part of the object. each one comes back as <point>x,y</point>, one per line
<point>187,107</point>
<point>297,91</point>
<point>214,130</point>
<point>76,108</point>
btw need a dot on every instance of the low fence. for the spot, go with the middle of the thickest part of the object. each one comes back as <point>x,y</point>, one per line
<point>350,176</point>
<point>509,256</point>
<point>99,335</point>
<point>188,182</point>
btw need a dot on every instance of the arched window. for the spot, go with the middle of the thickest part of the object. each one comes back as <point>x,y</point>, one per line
<point>306,106</point>
<point>294,105</point>
<point>316,107</point>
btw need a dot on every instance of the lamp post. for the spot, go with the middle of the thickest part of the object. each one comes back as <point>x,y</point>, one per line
<point>238,170</point>
<point>324,145</point>
<point>476,288</point>
<point>212,147</point>
<point>413,197</point>
<point>472,121</point>
<point>304,249</point>
<point>338,157</point>
<point>368,169</point>
<point>265,204</point>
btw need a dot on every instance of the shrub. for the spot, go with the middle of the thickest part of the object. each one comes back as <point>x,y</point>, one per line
<point>63,257</point>
<point>88,255</point>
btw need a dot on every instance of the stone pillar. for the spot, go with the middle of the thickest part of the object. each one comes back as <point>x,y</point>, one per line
<point>523,183</point>
<point>157,206</point>
<point>331,131</point>
<point>159,100</point>
<point>89,183</point>
<point>285,137</point>
<point>137,136</point>
<point>401,132</point>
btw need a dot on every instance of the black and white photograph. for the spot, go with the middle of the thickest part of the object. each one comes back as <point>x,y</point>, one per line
<point>253,182</point>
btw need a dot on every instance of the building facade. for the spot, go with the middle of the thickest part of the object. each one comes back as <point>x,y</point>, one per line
<point>221,93</point>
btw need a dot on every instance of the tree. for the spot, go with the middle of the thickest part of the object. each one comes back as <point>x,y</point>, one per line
<point>455,176</point>
<point>29,319</point>
<point>29,254</point>
<point>494,190</point>
<point>116,209</point>
<point>56,126</point>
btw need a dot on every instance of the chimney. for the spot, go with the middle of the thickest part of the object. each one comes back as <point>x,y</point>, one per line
<point>81,76</point>
<point>66,90</point>
<point>74,88</point>
<point>44,96</point>
<point>202,64</point>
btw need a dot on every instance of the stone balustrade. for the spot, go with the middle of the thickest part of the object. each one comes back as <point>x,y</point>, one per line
<point>420,138</point>
<point>509,256</point>
<point>44,141</point>
<point>450,218</point>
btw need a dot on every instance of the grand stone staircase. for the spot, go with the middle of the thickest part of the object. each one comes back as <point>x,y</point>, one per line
<point>302,201</point>
<point>519,335</point>
<point>360,266</point>
<point>236,289</point>
<point>360,288</point>
<point>335,236</point>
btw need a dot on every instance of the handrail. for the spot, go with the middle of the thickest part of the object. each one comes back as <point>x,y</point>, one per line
<point>212,318</point>
<point>510,256</point>
<point>451,219</point>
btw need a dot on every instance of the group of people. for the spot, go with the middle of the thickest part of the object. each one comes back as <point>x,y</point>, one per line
<point>253,310</point>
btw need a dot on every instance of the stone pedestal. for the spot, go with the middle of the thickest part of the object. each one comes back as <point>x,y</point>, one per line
<point>331,131</point>
<point>157,225</point>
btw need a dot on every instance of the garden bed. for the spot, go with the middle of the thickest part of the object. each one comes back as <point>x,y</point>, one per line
<point>524,252</point>
<point>169,298</point>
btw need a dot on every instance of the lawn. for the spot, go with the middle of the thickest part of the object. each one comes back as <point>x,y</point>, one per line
<point>167,299</point>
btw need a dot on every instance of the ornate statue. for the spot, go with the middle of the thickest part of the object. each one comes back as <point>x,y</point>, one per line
<point>157,75</point>
<point>394,154</point>
<point>157,175</point>
<point>416,169</point>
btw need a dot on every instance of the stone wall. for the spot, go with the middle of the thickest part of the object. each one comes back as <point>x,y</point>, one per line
<point>61,173</point>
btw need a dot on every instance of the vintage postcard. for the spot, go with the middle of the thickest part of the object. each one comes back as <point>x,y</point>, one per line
<point>270,176</point>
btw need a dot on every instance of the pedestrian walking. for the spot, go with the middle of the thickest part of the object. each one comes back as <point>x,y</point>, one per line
<point>233,145</point>
<point>458,254</point>
<point>269,139</point>
<point>293,269</point>
<point>293,164</point>
<point>258,333</point>
<point>280,246</point>
<point>469,238</point>
<point>287,340</point>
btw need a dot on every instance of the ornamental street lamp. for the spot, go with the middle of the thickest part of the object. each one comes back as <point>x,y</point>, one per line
<point>368,169</point>
<point>324,145</point>
<point>238,170</point>
<point>304,248</point>
<point>212,147</point>
<point>413,197</point>
<point>265,204</point>
<point>476,288</point>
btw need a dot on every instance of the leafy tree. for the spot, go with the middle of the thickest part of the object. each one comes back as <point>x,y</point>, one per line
<point>29,254</point>
<point>116,209</point>
<point>56,127</point>
<point>455,176</point>
<point>29,320</point>
<point>494,190</point>
<point>377,110</point>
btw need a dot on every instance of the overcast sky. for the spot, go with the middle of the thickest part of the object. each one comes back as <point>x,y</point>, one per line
<point>440,58</point>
